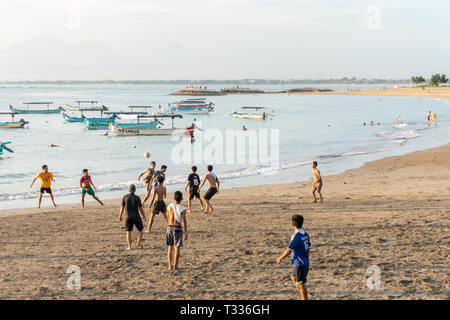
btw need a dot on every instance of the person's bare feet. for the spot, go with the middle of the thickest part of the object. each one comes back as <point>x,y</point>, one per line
<point>140,246</point>
<point>169,269</point>
<point>129,248</point>
<point>147,231</point>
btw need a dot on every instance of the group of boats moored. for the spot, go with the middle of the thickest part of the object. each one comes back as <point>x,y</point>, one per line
<point>135,121</point>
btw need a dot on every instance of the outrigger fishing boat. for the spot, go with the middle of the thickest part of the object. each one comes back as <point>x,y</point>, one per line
<point>4,147</point>
<point>12,124</point>
<point>136,115</point>
<point>77,108</point>
<point>157,131</point>
<point>82,117</point>
<point>36,111</point>
<point>192,106</point>
<point>255,115</point>
<point>103,124</point>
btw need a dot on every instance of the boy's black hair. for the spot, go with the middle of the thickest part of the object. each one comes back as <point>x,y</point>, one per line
<point>194,168</point>
<point>178,196</point>
<point>44,166</point>
<point>153,162</point>
<point>160,179</point>
<point>163,166</point>
<point>85,170</point>
<point>315,163</point>
<point>297,220</point>
<point>210,167</point>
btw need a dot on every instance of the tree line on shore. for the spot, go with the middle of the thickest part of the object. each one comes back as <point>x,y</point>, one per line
<point>434,81</point>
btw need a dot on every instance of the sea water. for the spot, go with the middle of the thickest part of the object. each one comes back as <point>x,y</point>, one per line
<point>325,128</point>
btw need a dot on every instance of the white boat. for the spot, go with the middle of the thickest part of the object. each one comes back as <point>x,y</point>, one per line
<point>157,131</point>
<point>255,115</point>
<point>80,102</point>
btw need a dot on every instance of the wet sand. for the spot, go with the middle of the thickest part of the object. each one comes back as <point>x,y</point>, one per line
<point>438,92</point>
<point>392,213</point>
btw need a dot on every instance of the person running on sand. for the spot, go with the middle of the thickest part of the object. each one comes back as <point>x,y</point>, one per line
<point>317,182</point>
<point>132,206</point>
<point>86,186</point>
<point>149,174</point>
<point>159,195</point>
<point>176,222</point>
<point>214,184</point>
<point>46,184</point>
<point>300,248</point>
<point>193,183</point>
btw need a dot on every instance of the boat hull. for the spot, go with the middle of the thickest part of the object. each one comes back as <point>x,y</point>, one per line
<point>68,118</point>
<point>248,116</point>
<point>97,124</point>
<point>117,131</point>
<point>13,124</point>
<point>37,111</point>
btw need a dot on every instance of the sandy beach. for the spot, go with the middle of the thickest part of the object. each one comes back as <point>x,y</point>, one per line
<point>392,213</point>
<point>438,92</point>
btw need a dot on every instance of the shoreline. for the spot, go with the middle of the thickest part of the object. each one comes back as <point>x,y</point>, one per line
<point>391,213</point>
<point>46,208</point>
<point>438,92</point>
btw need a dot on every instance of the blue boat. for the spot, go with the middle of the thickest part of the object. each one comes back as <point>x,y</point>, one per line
<point>98,124</point>
<point>36,111</point>
<point>4,147</point>
<point>12,124</point>
<point>195,106</point>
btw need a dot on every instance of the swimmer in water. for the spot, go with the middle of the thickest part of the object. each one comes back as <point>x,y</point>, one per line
<point>398,119</point>
<point>434,116</point>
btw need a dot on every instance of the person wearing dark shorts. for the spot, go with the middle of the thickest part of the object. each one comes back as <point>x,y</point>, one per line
<point>46,190</point>
<point>210,193</point>
<point>159,194</point>
<point>214,185</point>
<point>160,206</point>
<point>132,206</point>
<point>46,179</point>
<point>300,248</point>
<point>193,183</point>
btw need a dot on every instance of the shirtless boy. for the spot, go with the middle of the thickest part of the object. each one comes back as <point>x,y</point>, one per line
<point>214,184</point>
<point>176,222</point>
<point>158,195</point>
<point>317,182</point>
<point>149,174</point>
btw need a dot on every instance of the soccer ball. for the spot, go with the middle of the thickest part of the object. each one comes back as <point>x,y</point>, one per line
<point>147,155</point>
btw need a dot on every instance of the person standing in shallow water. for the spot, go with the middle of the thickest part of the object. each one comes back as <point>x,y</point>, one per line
<point>132,206</point>
<point>317,182</point>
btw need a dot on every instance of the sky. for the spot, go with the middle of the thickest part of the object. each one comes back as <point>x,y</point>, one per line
<point>222,39</point>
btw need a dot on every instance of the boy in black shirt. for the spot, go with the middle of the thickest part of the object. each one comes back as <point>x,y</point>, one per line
<point>132,206</point>
<point>193,183</point>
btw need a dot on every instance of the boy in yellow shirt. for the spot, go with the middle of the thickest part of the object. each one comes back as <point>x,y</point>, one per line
<point>46,183</point>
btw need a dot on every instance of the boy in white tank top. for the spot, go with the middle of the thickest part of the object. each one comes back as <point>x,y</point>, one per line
<point>176,220</point>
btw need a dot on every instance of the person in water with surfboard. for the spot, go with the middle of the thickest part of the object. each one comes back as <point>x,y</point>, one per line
<point>86,186</point>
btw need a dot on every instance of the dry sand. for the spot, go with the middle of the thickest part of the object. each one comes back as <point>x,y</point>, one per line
<point>438,92</point>
<point>393,213</point>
